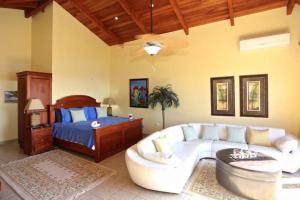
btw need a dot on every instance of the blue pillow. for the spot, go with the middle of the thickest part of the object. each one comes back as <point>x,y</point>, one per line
<point>66,116</point>
<point>90,113</point>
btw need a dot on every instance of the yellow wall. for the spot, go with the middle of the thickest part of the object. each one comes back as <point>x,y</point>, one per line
<point>42,40</point>
<point>81,61</point>
<point>15,56</point>
<point>82,64</point>
<point>214,52</point>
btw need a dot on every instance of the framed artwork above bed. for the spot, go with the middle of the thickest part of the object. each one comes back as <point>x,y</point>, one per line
<point>138,93</point>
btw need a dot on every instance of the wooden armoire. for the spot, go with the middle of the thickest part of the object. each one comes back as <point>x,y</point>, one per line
<point>32,85</point>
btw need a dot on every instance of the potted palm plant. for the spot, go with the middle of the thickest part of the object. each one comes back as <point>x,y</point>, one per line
<point>165,97</point>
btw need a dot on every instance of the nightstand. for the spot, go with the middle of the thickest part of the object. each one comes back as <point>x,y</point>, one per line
<point>38,140</point>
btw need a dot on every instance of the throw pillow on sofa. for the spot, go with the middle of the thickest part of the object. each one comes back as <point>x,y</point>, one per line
<point>236,134</point>
<point>286,144</point>
<point>189,133</point>
<point>162,144</point>
<point>210,132</point>
<point>259,137</point>
<point>163,158</point>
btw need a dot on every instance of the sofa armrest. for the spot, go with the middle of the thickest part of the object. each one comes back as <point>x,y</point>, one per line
<point>296,152</point>
<point>134,157</point>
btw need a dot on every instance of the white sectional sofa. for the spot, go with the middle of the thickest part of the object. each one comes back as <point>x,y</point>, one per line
<point>172,177</point>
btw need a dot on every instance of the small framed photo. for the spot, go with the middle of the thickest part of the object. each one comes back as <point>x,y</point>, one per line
<point>222,96</point>
<point>11,96</point>
<point>254,96</point>
<point>138,93</point>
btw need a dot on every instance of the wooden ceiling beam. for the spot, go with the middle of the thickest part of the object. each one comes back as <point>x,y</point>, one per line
<point>83,10</point>
<point>230,9</point>
<point>18,4</point>
<point>290,6</point>
<point>179,16</point>
<point>134,17</point>
<point>42,5</point>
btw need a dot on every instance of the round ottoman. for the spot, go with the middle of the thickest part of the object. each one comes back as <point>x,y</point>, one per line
<point>251,177</point>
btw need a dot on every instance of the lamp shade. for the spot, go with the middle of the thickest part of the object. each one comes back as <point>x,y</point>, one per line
<point>34,104</point>
<point>108,101</point>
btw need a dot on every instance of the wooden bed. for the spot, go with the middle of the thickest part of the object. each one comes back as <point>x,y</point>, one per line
<point>108,140</point>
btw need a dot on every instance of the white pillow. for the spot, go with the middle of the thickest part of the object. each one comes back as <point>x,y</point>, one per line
<point>286,144</point>
<point>163,158</point>
<point>210,132</point>
<point>78,115</point>
<point>101,112</point>
<point>236,134</point>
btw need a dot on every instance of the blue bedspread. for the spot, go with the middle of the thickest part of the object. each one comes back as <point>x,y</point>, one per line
<point>82,132</point>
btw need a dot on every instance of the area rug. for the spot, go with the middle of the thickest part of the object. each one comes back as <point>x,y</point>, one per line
<point>204,185</point>
<point>55,175</point>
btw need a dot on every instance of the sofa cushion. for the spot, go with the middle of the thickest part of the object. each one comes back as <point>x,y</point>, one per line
<point>286,144</point>
<point>275,133</point>
<point>205,145</point>
<point>162,144</point>
<point>259,137</point>
<point>220,145</point>
<point>288,162</point>
<point>189,133</point>
<point>198,127</point>
<point>187,152</point>
<point>236,134</point>
<point>146,145</point>
<point>174,134</point>
<point>223,130</point>
<point>210,132</point>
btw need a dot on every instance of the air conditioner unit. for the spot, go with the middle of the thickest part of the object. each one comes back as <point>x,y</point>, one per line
<point>265,42</point>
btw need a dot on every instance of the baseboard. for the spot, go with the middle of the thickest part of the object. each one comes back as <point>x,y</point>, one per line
<point>8,141</point>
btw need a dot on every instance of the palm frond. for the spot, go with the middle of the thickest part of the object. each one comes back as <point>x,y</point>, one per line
<point>165,96</point>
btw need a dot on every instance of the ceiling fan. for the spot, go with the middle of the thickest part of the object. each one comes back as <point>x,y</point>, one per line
<point>154,44</point>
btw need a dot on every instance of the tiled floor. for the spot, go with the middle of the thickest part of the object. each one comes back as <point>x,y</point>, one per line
<point>118,187</point>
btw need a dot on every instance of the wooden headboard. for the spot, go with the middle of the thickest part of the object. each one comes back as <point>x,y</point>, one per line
<point>74,101</point>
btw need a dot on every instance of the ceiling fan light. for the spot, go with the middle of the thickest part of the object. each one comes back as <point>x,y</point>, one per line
<point>152,49</point>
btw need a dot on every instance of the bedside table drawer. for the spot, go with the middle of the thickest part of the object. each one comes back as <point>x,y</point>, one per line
<point>42,135</point>
<point>41,147</point>
<point>41,139</point>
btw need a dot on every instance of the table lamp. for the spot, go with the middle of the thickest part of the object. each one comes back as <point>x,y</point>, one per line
<point>108,101</point>
<point>34,106</point>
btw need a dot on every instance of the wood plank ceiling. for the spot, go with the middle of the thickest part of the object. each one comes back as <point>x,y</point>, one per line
<point>118,21</point>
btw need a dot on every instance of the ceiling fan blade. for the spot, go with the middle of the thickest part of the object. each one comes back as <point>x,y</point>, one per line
<point>175,43</point>
<point>166,52</point>
<point>138,52</point>
<point>149,37</point>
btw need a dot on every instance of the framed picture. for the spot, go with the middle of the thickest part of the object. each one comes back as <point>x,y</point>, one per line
<point>254,95</point>
<point>138,93</point>
<point>11,96</point>
<point>222,96</point>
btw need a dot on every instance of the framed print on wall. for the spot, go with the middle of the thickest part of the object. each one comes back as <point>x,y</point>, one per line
<point>11,96</point>
<point>138,93</point>
<point>222,96</point>
<point>254,95</point>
